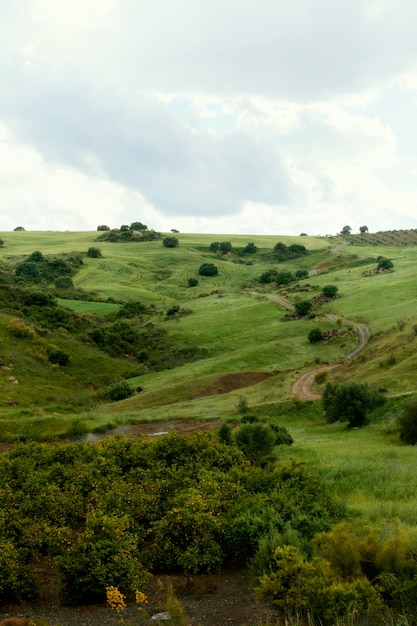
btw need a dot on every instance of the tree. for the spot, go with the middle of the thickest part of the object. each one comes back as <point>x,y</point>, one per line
<point>36,256</point>
<point>94,253</point>
<point>208,269</point>
<point>225,247</point>
<point>408,423</point>
<point>303,308</point>
<point>1,243</point>
<point>350,402</point>
<point>138,226</point>
<point>103,227</point>
<point>330,291</point>
<point>363,229</point>
<point>19,228</point>
<point>27,269</point>
<point>346,230</point>
<point>250,248</point>
<point>170,242</point>
<point>385,264</point>
<point>192,281</point>
<point>315,335</point>
<point>256,440</point>
<point>64,282</point>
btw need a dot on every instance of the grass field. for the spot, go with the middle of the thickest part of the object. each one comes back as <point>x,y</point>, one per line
<point>242,331</point>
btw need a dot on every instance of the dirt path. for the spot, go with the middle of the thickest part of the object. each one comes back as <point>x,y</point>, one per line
<point>303,386</point>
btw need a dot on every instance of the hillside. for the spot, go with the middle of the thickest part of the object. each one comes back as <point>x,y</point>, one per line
<point>226,334</point>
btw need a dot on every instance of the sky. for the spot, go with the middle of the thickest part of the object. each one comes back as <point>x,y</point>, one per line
<point>228,116</point>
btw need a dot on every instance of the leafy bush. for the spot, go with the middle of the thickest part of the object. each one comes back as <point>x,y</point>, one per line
<point>64,282</point>
<point>256,441</point>
<point>170,242</point>
<point>94,253</point>
<point>120,391</point>
<point>58,357</point>
<point>27,269</point>
<point>350,402</point>
<point>303,308</point>
<point>330,291</point>
<point>20,330</point>
<point>315,335</point>
<point>208,269</point>
<point>192,282</point>
<point>408,423</point>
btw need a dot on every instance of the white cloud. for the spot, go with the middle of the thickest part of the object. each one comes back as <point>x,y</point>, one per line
<point>247,116</point>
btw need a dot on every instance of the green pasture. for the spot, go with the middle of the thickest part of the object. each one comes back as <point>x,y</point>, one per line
<point>241,330</point>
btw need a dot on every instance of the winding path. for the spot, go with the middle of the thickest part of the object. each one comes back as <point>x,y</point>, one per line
<point>303,386</point>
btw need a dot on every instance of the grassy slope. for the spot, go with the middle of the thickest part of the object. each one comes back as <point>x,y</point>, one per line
<point>246,332</point>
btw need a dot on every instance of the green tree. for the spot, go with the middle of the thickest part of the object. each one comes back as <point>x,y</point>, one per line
<point>1,243</point>
<point>250,248</point>
<point>138,226</point>
<point>385,264</point>
<point>192,281</point>
<point>350,402</point>
<point>94,253</point>
<point>363,229</point>
<point>170,242</point>
<point>303,308</point>
<point>208,269</point>
<point>346,230</point>
<point>315,335</point>
<point>103,227</point>
<point>225,247</point>
<point>27,269</point>
<point>408,423</point>
<point>256,440</point>
<point>330,291</point>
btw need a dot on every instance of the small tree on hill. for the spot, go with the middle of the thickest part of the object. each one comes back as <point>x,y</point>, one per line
<point>363,229</point>
<point>303,308</point>
<point>315,335</point>
<point>103,227</point>
<point>385,264</point>
<point>346,230</point>
<point>330,291</point>
<point>350,402</point>
<point>256,441</point>
<point>170,242</point>
<point>94,253</point>
<point>208,269</point>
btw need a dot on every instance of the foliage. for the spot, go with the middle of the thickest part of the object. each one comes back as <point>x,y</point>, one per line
<point>64,282</point>
<point>407,422</point>
<point>330,291</point>
<point>170,242</point>
<point>350,402</point>
<point>385,264</point>
<point>363,229</point>
<point>303,308</point>
<point>27,269</point>
<point>103,227</point>
<point>256,441</point>
<point>94,252</point>
<point>58,357</point>
<point>275,276</point>
<point>250,248</point>
<point>346,230</point>
<point>315,335</point>
<point>208,269</point>
<point>192,281</point>
<point>120,391</point>
<point>282,252</point>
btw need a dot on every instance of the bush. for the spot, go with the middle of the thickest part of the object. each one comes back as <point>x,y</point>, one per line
<point>256,441</point>
<point>94,253</point>
<point>408,423</point>
<point>208,269</point>
<point>170,242</point>
<point>330,291</point>
<point>303,308</point>
<point>350,402</point>
<point>315,335</point>
<point>58,357</point>
<point>27,269</point>
<point>385,264</point>
<point>192,282</point>
<point>120,391</point>
<point>64,282</point>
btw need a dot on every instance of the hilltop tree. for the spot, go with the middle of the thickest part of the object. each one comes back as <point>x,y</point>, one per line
<point>363,229</point>
<point>170,242</point>
<point>138,226</point>
<point>103,227</point>
<point>346,230</point>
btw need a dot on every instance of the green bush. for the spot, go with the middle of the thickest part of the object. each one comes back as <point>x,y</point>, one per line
<point>303,308</point>
<point>94,253</point>
<point>256,441</point>
<point>408,422</point>
<point>330,291</point>
<point>315,335</point>
<point>58,357</point>
<point>192,282</point>
<point>120,391</point>
<point>64,282</point>
<point>170,242</point>
<point>350,402</point>
<point>208,269</point>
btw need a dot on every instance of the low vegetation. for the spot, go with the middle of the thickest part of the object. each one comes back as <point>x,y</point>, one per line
<point>94,337</point>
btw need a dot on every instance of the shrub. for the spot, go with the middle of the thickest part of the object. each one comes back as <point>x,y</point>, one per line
<point>28,269</point>
<point>330,291</point>
<point>64,282</point>
<point>94,253</point>
<point>303,308</point>
<point>225,434</point>
<point>315,335</point>
<point>385,264</point>
<point>350,402</point>
<point>36,256</point>
<point>301,273</point>
<point>58,357</point>
<point>408,423</point>
<point>321,377</point>
<point>170,242</point>
<point>192,282</point>
<point>20,330</point>
<point>256,441</point>
<point>103,227</point>
<point>120,391</point>
<point>208,269</point>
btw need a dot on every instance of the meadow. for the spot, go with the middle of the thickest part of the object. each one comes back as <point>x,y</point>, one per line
<point>241,347</point>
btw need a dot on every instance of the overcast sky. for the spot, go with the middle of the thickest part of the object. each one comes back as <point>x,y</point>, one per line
<point>228,116</point>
